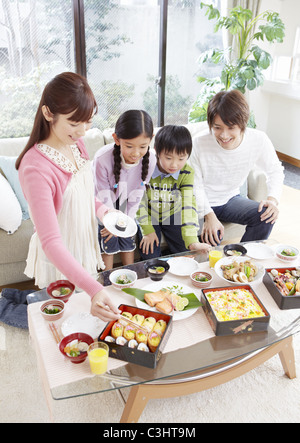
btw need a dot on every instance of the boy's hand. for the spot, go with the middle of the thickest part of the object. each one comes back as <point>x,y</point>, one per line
<point>147,243</point>
<point>201,247</point>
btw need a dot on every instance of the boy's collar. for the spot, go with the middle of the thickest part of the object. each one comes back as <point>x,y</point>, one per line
<point>158,173</point>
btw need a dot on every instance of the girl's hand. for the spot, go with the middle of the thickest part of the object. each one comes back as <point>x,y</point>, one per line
<point>271,213</point>
<point>105,233</point>
<point>147,243</point>
<point>213,230</point>
<point>103,307</point>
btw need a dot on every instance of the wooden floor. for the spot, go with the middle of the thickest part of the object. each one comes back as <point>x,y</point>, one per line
<point>286,229</point>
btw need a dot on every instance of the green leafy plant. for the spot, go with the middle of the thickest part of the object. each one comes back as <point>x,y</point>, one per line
<point>243,63</point>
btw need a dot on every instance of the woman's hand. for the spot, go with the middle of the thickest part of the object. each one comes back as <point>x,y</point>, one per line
<point>213,230</point>
<point>147,243</point>
<point>103,307</point>
<point>271,213</point>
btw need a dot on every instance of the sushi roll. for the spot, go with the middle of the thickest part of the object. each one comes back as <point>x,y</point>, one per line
<point>153,341</point>
<point>127,315</point>
<point>149,323</point>
<point>143,347</point>
<point>138,319</point>
<point>160,327</point>
<point>121,224</point>
<point>129,332</point>
<point>141,336</point>
<point>133,344</point>
<point>117,330</point>
<point>121,341</point>
<point>109,339</point>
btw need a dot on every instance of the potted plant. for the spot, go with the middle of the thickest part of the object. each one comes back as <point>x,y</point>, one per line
<point>242,67</point>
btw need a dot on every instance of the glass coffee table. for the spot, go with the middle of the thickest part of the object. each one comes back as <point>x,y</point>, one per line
<point>200,363</point>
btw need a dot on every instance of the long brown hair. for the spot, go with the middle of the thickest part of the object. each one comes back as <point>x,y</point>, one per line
<point>65,93</point>
<point>130,125</point>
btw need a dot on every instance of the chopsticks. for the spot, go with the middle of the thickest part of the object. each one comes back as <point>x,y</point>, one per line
<point>54,332</point>
<point>124,320</point>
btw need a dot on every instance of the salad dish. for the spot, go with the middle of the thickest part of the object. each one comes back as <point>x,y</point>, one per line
<point>201,279</point>
<point>52,310</point>
<point>139,341</point>
<point>123,278</point>
<point>234,310</point>
<point>284,286</point>
<point>287,253</point>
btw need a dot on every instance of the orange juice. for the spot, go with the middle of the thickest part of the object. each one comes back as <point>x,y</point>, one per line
<point>98,357</point>
<point>214,256</point>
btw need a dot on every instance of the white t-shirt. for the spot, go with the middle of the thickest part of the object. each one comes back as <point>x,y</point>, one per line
<point>219,173</point>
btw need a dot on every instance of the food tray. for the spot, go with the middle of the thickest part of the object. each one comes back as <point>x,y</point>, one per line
<point>233,327</point>
<point>284,302</point>
<point>133,355</point>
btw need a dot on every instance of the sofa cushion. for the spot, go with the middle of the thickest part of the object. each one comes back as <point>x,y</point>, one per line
<point>10,209</point>
<point>93,141</point>
<point>14,248</point>
<point>7,165</point>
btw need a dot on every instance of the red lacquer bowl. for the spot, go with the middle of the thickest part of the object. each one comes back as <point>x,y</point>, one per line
<point>55,286</point>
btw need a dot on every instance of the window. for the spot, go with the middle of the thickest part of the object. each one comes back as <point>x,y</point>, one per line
<point>118,45</point>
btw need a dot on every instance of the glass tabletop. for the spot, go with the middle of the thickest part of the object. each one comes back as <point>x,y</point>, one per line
<point>186,363</point>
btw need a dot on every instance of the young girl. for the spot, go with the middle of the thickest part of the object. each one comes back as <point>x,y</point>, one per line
<point>57,181</point>
<point>169,205</point>
<point>121,170</point>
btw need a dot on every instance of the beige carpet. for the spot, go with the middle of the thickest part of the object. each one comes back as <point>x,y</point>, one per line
<point>261,396</point>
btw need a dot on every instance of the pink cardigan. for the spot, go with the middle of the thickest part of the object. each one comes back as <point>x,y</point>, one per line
<point>44,183</point>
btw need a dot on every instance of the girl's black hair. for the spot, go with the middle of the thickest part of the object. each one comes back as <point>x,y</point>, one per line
<point>172,138</point>
<point>130,125</point>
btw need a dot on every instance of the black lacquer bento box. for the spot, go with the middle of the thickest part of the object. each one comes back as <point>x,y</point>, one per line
<point>148,358</point>
<point>234,327</point>
<point>284,302</point>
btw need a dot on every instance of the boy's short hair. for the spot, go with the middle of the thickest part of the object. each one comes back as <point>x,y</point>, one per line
<point>231,107</point>
<point>172,138</point>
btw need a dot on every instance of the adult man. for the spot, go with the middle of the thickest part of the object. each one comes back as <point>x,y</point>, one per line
<point>222,158</point>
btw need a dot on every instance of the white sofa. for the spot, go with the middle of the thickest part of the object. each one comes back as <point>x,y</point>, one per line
<point>14,247</point>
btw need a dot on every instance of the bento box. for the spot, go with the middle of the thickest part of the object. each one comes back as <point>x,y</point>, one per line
<point>234,310</point>
<point>281,289</point>
<point>135,345</point>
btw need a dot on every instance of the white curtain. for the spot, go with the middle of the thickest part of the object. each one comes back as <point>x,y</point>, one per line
<point>226,6</point>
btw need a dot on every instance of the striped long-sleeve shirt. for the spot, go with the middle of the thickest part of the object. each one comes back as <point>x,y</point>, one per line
<point>170,196</point>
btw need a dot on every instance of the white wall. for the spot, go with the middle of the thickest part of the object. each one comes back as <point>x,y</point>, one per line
<point>278,113</point>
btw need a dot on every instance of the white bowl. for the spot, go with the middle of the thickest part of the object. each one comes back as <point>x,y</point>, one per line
<point>113,277</point>
<point>229,260</point>
<point>287,258</point>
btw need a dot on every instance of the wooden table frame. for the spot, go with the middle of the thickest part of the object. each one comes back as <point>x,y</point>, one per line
<point>141,394</point>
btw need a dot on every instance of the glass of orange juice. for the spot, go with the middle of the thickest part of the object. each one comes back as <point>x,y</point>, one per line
<point>98,357</point>
<point>214,256</point>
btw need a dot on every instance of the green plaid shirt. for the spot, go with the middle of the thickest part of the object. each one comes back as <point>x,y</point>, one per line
<point>168,196</point>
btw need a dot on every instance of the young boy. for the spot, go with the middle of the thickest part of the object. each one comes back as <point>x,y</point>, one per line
<point>169,205</point>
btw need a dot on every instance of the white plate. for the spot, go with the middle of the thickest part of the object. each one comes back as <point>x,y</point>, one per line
<point>83,322</point>
<point>229,260</point>
<point>259,251</point>
<point>110,220</point>
<point>156,286</point>
<point>182,266</point>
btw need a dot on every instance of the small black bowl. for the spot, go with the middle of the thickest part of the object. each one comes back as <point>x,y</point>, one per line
<point>150,266</point>
<point>234,247</point>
